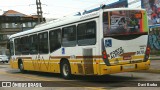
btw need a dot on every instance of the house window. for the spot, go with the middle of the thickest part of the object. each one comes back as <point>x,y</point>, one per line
<point>29,24</point>
<point>6,25</point>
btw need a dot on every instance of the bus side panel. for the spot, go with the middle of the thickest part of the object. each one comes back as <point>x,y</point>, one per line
<point>76,66</point>
<point>43,65</point>
<point>80,67</point>
<point>28,64</point>
<point>54,66</point>
<point>95,66</point>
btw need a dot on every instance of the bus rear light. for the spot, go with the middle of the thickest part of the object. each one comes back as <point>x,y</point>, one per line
<point>148,50</point>
<point>104,55</point>
<point>147,53</point>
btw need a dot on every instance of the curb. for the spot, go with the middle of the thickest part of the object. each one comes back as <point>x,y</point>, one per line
<point>154,58</point>
<point>4,64</point>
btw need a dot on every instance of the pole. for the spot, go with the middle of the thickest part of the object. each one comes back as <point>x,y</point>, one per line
<point>39,11</point>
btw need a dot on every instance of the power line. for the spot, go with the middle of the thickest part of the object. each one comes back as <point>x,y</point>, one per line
<point>16,6</point>
<point>50,5</point>
<point>63,6</point>
<point>85,1</point>
<point>98,3</point>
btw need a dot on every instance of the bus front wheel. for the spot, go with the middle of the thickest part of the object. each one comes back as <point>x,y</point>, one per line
<point>65,69</point>
<point>21,67</point>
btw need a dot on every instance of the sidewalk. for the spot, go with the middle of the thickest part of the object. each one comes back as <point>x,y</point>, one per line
<point>154,57</point>
<point>155,64</point>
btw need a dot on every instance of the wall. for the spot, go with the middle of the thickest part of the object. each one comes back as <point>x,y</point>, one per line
<point>153,11</point>
<point>154,40</point>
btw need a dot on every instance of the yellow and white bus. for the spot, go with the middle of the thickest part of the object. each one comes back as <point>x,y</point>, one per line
<point>102,42</point>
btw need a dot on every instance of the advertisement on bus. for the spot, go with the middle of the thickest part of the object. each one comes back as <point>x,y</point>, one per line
<point>122,22</point>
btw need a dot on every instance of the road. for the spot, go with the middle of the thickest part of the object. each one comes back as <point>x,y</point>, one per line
<point>119,81</point>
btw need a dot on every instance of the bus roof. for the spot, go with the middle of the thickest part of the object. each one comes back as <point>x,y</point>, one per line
<point>117,9</point>
<point>65,21</point>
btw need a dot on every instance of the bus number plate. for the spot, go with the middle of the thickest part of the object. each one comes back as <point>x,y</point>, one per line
<point>127,57</point>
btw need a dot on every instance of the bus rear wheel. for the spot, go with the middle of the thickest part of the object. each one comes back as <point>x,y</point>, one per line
<point>65,70</point>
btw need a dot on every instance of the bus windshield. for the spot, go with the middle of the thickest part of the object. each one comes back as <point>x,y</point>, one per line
<point>123,22</point>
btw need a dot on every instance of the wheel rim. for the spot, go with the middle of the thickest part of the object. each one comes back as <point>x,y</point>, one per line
<point>65,69</point>
<point>21,66</point>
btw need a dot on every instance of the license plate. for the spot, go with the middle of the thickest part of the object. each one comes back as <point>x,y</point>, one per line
<point>127,57</point>
<point>129,67</point>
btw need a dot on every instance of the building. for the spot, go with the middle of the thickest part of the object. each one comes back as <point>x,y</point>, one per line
<point>12,22</point>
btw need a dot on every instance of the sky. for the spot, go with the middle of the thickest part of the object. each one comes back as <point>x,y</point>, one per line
<point>51,8</point>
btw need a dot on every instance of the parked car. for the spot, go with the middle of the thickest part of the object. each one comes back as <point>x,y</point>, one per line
<point>4,58</point>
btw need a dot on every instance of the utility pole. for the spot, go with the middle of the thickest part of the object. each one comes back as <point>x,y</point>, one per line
<point>39,11</point>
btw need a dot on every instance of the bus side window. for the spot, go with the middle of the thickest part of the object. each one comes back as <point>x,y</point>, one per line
<point>11,48</point>
<point>43,43</point>
<point>86,33</point>
<point>69,36</point>
<point>55,39</point>
<point>33,39</point>
<point>25,45</point>
<point>17,46</point>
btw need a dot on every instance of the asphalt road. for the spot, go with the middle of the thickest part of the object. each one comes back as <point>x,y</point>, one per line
<point>121,81</point>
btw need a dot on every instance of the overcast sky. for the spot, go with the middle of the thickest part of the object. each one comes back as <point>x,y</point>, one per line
<point>51,8</point>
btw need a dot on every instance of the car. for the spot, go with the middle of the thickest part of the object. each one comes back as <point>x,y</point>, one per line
<point>4,58</point>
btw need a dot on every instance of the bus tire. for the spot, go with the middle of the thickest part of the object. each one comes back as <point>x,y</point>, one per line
<point>65,69</point>
<point>21,66</point>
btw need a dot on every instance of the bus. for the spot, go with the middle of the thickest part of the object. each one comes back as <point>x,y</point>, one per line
<point>107,41</point>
